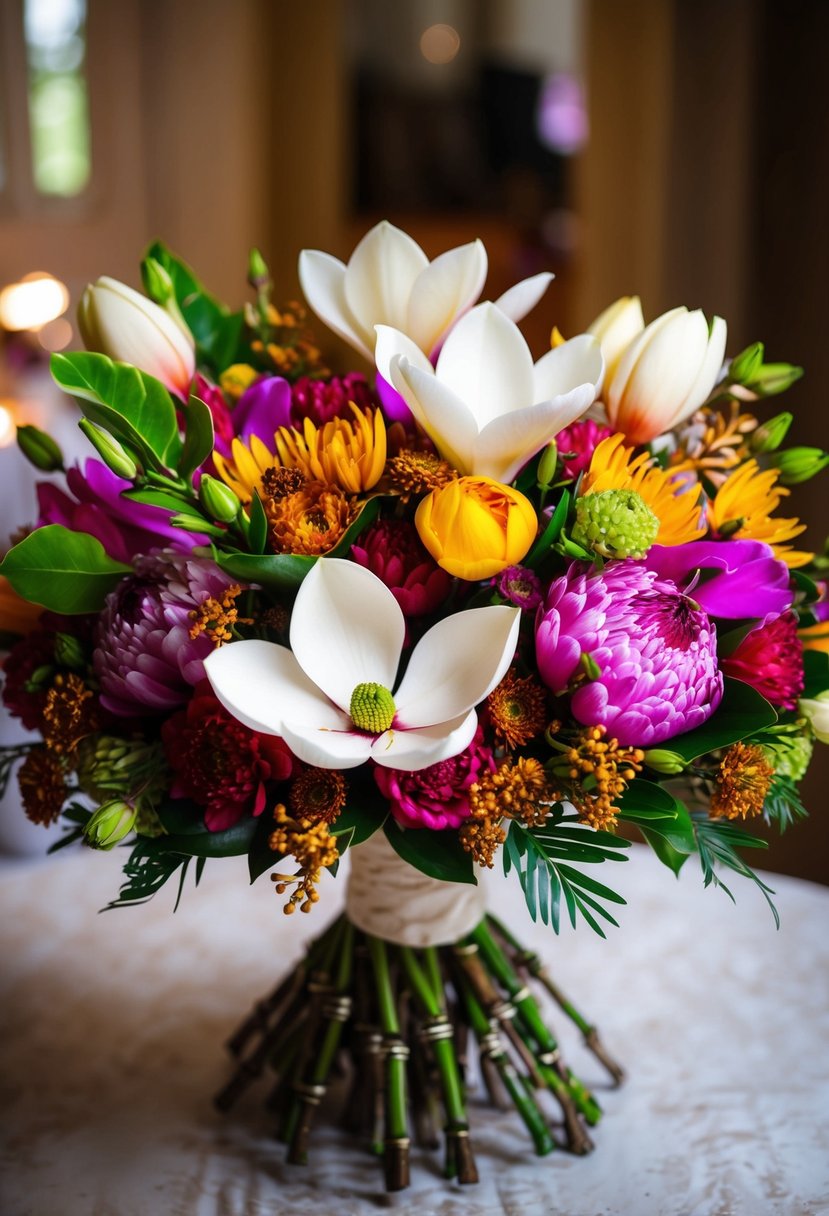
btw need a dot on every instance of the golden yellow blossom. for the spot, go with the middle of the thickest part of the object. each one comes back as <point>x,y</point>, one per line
<point>351,455</point>
<point>743,506</point>
<point>474,527</point>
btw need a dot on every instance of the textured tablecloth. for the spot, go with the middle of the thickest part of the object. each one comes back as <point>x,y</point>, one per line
<point>112,1028</point>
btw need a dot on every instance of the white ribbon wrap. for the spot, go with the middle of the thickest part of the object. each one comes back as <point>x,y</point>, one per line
<point>388,898</point>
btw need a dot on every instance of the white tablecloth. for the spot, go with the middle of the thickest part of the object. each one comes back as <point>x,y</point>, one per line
<point>112,1028</point>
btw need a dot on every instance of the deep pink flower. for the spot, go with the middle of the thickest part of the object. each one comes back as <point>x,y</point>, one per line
<point>654,649</point>
<point>393,551</point>
<point>219,763</point>
<point>577,443</point>
<point>770,659</point>
<point>728,578</point>
<point>436,797</point>
<point>145,660</point>
<point>521,586</point>
<point>321,400</point>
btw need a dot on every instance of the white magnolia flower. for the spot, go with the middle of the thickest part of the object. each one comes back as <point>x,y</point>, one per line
<point>390,281</point>
<point>616,328</point>
<point>119,322</point>
<point>485,405</point>
<point>330,696</point>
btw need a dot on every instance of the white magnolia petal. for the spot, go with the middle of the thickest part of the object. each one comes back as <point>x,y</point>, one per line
<point>666,370</point>
<point>630,357</point>
<point>323,283</point>
<point>507,443</point>
<point>708,372</point>
<point>456,664</point>
<point>261,684</point>
<point>415,749</point>
<point>523,297</point>
<point>445,418</point>
<point>328,748</point>
<point>390,342</point>
<point>380,275</point>
<point>486,362</point>
<point>616,328</point>
<point>346,629</point>
<point>563,368</point>
<point>444,291</point>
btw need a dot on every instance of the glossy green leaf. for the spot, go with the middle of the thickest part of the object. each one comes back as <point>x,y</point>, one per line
<point>216,329</point>
<point>552,531</point>
<point>815,672</point>
<point>167,500</point>
<point>438,854</point>
<point>664,821</point>
<point>65,571</point>
<point>198,437</point>
<point>274,571</point>
<point>361,821</point>
<point>741,713</point>
<point>132,406</point>
<point>258,526</point>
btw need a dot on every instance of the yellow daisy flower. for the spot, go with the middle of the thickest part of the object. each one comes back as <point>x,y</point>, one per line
<point>742,508</point>
<point>243,471</point>
<point>351,455</point>
<point>676,506</point>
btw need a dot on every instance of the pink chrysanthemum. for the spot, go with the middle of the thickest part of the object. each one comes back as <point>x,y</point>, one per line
<point>577,443</point>
<point>393,551</point>
<point>770,659</point>
<point>436,797</point>
<point>655,651</point>
<point>145,658</point>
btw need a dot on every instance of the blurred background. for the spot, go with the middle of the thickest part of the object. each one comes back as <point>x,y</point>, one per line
<point>677,149</point>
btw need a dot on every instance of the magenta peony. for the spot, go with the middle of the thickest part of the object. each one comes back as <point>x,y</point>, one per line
<point>393,551</point>
<point>436,797</point>
<point>654,649</point>
<point>770,659</point>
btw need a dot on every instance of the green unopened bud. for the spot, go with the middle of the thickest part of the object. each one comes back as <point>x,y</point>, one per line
<point>157,282</point>
<point>546,473</point>
<point>774,378</point>
<point>615,523</point>
<point>769,436</point>
<point>258,274</point>
<point>218,499</point>
<point>40,677</point>
<point>661,760</point>
<point>589,666</point>
<point>372,708</point>
<point>115,457</point>
<point>798,464</point>
<point>39,449</point>
<point>108,826</point>
<point>746,364</point>
<point>69,652</point>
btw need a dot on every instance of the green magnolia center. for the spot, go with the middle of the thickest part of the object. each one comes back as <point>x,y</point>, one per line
<point>372,708</point>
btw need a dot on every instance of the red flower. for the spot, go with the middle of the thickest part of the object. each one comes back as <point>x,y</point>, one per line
<point>36,650</point>
<point>393,551</point>
<point>770,659</point>
<point>219,763</point>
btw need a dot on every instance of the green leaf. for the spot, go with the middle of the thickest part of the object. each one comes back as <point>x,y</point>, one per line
<point>368,513</point>
<point>360,821</point>
<point>438,854</point>
<point>198,437</point>
<point>132,406</point>
<point>807,588</point>
<point>815,672</point>
<point>146,872</point>
<point>717,842</point>
<point>663,821</point>
<point>273,571</point>
<point>741,713</point>
<point>167,500</point>
<point>261,856</point>
<point>258,526</point>
<point>216,329</point>
<point>67,572</point>
<point>187,833</point>
<point>551,533</point>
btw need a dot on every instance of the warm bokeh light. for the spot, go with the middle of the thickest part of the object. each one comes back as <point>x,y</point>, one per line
<point>440,43</point>
<point>33,302</point>
<point>8,426</point>
<point>56,335</point>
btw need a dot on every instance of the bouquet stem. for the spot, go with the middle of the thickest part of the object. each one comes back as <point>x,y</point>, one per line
<point>402,1017</point>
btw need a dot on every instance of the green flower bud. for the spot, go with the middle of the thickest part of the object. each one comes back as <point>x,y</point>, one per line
<point>115,457</point>
<point>615,523</point>
<point>798,464</point>
<point>547,465</point>
<point>218,499</point>
<point>39,449</point>
<point>774,378</point>
<point>110,824</point>
<point>769,436</point>
<point>157,282</point>
<point>372,708</point>
<point>107,765</point>
<point>40,677</point>
<point>589,666</point>
<point>258,273</point>
<point>662,760</point>
<point>746,364</point>
<point>790,755</point>
<point>69,652</point>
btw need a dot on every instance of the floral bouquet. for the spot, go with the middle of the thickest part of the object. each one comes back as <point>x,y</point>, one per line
<point>474,608</point>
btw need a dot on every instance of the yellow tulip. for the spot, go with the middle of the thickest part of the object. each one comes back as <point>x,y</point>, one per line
<point>475,527</point>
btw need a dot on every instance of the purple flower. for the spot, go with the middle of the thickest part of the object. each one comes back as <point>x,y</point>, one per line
<point>654,650</point>
<point>123,527</point>
<point>322,400</point>
<point>392,404</point>
<point>145,659</point>
<point>747,579</point>
<point>520,585</point>
<point>260,411</point>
